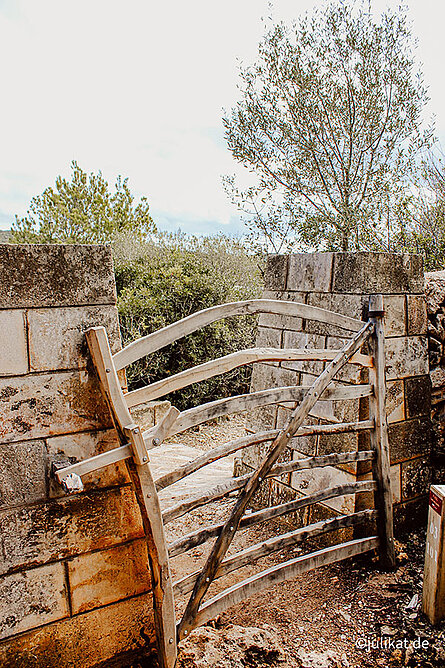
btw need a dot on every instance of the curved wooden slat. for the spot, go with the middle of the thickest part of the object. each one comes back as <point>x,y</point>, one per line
<point>219,491</point>
<point>229,362</point>
<point>334,459</point>
<point>211,494</point>
<point>194,539</point>
<point>238,444</point>
<point>285,571</point>
<point>163,337</point>
<point>247,556</point>
<point>247,402</point>
<point>212,456</point>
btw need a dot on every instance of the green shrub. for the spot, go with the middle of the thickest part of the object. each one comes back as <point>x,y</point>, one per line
<point>170,277</point>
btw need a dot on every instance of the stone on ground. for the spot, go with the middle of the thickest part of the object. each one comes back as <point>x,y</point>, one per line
<point>231,647</point>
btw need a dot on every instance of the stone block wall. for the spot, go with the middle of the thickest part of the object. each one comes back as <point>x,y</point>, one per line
<point>74,582</point>
<point>343,282</point>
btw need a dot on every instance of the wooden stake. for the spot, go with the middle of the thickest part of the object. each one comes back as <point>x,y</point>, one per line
<point>379,437</point>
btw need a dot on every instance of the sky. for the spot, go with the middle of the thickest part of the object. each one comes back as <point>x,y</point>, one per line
<point>138,88</point>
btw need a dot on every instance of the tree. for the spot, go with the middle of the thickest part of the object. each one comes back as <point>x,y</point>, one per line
<point>422,220</point>
<point>329,124</point>
<point>167,279</point>
<point>83,210</point>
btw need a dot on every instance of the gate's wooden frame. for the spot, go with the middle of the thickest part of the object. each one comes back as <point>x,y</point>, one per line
<point>136,445</point>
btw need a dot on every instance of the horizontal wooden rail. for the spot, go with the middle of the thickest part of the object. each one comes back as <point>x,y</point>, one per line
<point>334,459</point>
<point>251,554</point>
<point>96,462</point>
<point>219,491</point>
<point>247,402</point>
<point>260,437</point>
<point>194,539</point>
<point>166,335</point>
<point>229,362</point>
<point>285,571</point>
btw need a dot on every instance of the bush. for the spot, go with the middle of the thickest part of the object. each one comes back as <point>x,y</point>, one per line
<point>166,279</point>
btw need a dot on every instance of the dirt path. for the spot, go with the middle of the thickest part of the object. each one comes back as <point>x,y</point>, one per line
<point>345,615</point>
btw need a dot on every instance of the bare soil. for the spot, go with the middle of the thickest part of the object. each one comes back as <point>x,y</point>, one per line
<point>352,611</point>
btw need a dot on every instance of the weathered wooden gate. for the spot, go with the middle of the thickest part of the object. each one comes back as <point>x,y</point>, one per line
<point>136,445</point>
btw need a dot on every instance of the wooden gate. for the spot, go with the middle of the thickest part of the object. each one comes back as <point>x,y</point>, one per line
<point>136,445</point>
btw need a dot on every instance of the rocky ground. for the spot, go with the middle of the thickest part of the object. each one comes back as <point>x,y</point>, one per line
<point>345,615</point>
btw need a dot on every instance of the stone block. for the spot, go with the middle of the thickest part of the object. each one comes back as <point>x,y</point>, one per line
<point>416,477</point>
<point>395,480</point>
<point>312,481</point>
<point>406,356</point>
<point>304,445</point>
<point>160,408</point>
<point>394,321</point>
<point>261,419</point>
<point>356,306</point>
<point>350,305</point>
<point>47,532</point>
<point>148,414</point>
<point>268,338</point>
<point>409,439</point>
<point>82,446</point>
<point>32,598</point>
<point>55,275</point>
<point>368,273</point>
<point>57,336</point>
<point>117,635</point>
<point>144,415</point>
<point>395,401</point>
<point>410,514</point>
<point>266,376</point>
<point>418,396</point>
<point>434,290</point>
<point>22,473</point>
<point>329,443</point>
<point>13,349</point>
<point>42,405</point>
<point>276,272</point>
<point>100,578</point>
<point>437,377</point>
<point>310,272</point>
<point>304,341</point>
<point>318,513</point>
<point>417,315</point>
<point>350,373</point>
<point>283,321</point>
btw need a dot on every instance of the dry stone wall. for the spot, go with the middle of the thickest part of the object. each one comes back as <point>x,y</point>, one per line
<point>343,282</point>
<point>435,300</point>
<point>74,583</point>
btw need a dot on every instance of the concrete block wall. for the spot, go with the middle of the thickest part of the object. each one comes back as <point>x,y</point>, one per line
<point>74,581</point>
<point>343,282</point>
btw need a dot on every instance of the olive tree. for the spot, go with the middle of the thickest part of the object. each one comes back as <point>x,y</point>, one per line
<point>328,124</point>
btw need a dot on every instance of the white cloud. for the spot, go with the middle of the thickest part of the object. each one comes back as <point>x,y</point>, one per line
<point>137,88</point>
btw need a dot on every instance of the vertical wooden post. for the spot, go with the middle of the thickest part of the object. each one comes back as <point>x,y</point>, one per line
<point>379,436</point>
<point>146,495</point>
<point>433,599</point>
